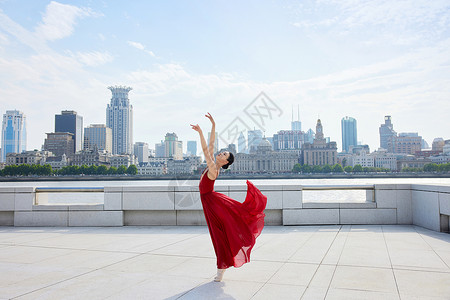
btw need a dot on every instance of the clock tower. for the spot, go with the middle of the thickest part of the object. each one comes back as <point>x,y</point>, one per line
<point>319,130</point>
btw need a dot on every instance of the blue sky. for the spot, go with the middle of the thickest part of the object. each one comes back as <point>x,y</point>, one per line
<point>364,59</point>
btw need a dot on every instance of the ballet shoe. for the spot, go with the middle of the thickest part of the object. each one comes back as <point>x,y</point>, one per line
<point>219,275</point>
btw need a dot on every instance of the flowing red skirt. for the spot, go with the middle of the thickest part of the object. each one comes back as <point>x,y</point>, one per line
<point>233,226</point>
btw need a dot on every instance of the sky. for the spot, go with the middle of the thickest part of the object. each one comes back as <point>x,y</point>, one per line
<point>248,63</point>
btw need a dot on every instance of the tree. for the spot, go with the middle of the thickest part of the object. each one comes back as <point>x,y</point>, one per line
<point>297,168</point>
<point>316,169</point>
<point>348,169</point>
<point>357,168</point>
<point>431,167</point>
<point>337,168</point>
<point>132,170</point>
<point>344,162</point>
<point>102,170</point>
<point>326,169</point>
<point>112,170</point>
<point>306,169</point>
<point>121,170</point>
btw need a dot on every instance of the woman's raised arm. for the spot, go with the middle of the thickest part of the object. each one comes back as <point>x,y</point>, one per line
<point>208,157</point>
<point>212,138</point>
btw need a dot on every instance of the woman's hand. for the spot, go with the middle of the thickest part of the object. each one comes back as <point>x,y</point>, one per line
<point>208,115</point>
<point>196,128</point>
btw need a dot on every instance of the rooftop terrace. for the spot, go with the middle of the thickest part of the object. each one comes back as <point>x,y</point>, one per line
<point>177,262</point>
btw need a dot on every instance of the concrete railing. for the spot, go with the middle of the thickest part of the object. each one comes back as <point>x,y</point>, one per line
<point>424,205</point>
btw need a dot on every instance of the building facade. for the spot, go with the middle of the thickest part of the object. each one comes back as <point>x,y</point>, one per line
<point>349,133</point>
<point>152,169</point>
<point>363,159</point>
<point>183,166</point>
<point>264,160</point>
<point>141,152</point>
<point>172,146</point>
<point>59,143</point>
<point>98,136</point>
<point>27,157</point>
<point>254,139</point>
<point>119,117</point>
<point>405,143</point>
<point>121,160</point>
<point>192,148</point>
<point>14,133</point>
<point>386,132</point>
<point>89,158</point>
<point>319,152</point>
<point>288,140</point>
<point>70,121</point>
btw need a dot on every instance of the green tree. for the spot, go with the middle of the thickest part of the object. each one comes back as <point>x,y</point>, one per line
<point>297,168</point>
<point>121,170</point>
<point>431,167</point>
<point>357,169</point>
<point>337,168</point>
<point>348,169</point>
<point>316,169</point>
<point>112,170</point>
<point>102,170</point>
<point>132,170</point>
<point>306,169</point>
<point>326,169</point>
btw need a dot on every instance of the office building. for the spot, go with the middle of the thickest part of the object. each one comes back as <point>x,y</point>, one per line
<point>254,139</point>
<point>296,125</point>
<point>98,136</point>
<point>59,143</point>
<point>119,117</point>
<point>160,149</point>
<point>320,152</point>
<point>386,131</point>
<point>141,152</point>
<point>438,145</point>
<point>349,133</point>
<point>242,143</point>
<point>288,140</point>
<point>172,146</point>
<point>192,148</point>
<point>405,143</point>
<point>14,133</point>
<point>70,121</point>
<point>264,160</point>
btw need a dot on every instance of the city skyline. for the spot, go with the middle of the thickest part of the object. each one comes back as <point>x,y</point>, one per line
<point>331,59</point>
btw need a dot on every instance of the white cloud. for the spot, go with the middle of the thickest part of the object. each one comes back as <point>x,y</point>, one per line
<point>59,20</point>
<point>141,47</point>
<point>94,58</point>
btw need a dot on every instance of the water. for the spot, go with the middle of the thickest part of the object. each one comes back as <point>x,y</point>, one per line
<point>308,196</point>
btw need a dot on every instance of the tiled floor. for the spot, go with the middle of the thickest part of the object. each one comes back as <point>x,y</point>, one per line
<point>296,262</point>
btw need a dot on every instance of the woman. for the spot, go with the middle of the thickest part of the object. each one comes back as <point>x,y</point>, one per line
<point>233,226</point>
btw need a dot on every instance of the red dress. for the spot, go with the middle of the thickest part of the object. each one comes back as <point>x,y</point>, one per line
<point>233,226</point>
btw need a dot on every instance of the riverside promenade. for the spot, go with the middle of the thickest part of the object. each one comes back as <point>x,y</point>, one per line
<point>177,262</point>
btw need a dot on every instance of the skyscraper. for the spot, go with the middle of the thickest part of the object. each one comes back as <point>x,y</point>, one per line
<point>119,117</point>
<point>69,121</point>
<point>192,148</point>
<point>14,133</point>
<point>98,136</point>
<point>349,133</point>
<point>242,144</point>
<point>254,139</point>
<point>173,147</point>
<point>59,143</point>
<point>296,125</point>
<point>386,132</point>
<point>141,152</point>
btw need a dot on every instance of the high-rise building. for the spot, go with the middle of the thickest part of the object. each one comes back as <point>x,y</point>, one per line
<point>98,136</point>
<point>70,121</point>
<point>296,125</point>
<point>216,141</point>
<point>386,132</point>
<point>192,148</point>
<point>405,143</point>
<point>14,133</point>
<point>59,143</point>
<point>349,133</point>
<point>320,152</point>
<point>254,139</point>
<point>438,144</point>
<point>141,152</point>
<point>160,149</point>
<point>242,144</point>
<point>288,140</point>
<point>173,147</point>
<point>119,117</point>
<point>309,136</point>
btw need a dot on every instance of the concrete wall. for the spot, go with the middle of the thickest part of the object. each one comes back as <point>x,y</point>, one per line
<point>423,205</point>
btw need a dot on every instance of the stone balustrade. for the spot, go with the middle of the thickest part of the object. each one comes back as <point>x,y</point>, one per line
<point>423,205</point>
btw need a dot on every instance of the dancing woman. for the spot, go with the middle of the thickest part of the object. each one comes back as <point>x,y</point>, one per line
<point>233,226</point>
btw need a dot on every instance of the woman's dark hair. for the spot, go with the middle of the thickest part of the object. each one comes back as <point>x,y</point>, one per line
<point>230,161</point>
